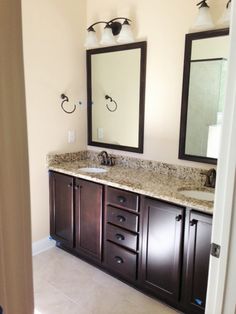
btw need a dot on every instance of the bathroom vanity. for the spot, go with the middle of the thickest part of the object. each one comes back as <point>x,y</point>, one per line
<point>134,224</point>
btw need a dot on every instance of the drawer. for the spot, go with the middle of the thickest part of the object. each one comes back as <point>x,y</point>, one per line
<point>124,199</point>
<point>122,237</point>
<point>122,218</point>
<point>121,261</point>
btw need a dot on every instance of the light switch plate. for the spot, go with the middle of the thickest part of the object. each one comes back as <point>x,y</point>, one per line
<point>71,136</point>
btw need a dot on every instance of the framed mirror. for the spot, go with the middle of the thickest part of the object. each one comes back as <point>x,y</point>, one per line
<point>116,95</point>
<point>203,95</point>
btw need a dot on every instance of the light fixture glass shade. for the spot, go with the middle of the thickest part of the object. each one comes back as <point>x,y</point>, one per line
<point>91,40</point>
<point>126,34</point>
<point>203,20</point>
<point>224,20</point>
<point>107,37</point>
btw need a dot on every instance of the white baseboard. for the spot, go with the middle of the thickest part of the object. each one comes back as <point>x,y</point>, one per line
<point>42,245</point>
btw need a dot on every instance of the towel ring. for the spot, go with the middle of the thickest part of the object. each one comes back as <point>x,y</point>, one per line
<point>111,100</point>
<point>66,99</point>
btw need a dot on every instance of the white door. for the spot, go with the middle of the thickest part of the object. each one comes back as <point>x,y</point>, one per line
<point>219,299</point>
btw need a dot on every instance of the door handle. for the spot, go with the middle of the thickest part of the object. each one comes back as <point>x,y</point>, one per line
<point>120,237</point>
<point>178,218</point>
<point>121,218</point>
<point>193,222</point>
<point>119,260</point>
<point>121,199</point>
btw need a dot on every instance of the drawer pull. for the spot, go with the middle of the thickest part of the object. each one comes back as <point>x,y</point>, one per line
<point>121,199</point>
<point>119,260</point>
<point>193,222</point>
<point>178,218</point>
<point>121,218</point>
<point>120,237</point>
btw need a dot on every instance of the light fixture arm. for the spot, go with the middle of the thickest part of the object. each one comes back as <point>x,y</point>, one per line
<point>203,4</point>
<point>113,24</point>
<point>90,28</point>
<point>228,3</point>
<point>119,18</point>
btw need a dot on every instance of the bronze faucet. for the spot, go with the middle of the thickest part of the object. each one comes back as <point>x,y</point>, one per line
<point>106,159</point>
<point>210,178</point>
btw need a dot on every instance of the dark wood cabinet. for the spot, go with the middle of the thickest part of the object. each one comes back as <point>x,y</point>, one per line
<point>88,218</point>
<point>121,234</point>
<point>162,248</point>
<point>61,208</point>
<point>197,254</point>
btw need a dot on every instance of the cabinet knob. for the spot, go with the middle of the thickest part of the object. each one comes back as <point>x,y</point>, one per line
<point>120,237</point>
<point>121,218</point>
<point>119,260</point>
<point>70,185</point>
<point>178,218</point>
<point>121,199</point>
<point>193,222</point>
<point>77,187</point>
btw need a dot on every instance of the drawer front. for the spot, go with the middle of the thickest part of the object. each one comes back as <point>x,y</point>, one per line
<point>121,261</point>
<point>122,218</point>
<point>122,198</point>
<point>122,237</point>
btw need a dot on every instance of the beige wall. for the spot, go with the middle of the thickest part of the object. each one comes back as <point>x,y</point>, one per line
<point>164,25</point>
<point>54,59</point>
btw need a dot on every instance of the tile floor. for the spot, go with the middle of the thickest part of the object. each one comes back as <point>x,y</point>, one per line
<point>64,284</point>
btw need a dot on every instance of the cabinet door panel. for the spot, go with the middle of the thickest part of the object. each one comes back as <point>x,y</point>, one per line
<point>198,254</point>
<point>162,247</point>
<point>88,204</point>
<point>61,208</point>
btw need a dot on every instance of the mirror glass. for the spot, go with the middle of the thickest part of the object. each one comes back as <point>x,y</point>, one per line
<point>204,86</point>
<point>116,84</point>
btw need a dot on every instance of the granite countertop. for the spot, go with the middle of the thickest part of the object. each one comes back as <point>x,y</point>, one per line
<point>143,181</point>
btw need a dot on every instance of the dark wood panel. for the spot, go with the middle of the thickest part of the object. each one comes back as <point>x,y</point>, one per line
<point>197,261</point>
<point>122,218</point>
<point>61,208</point>
<point>122,237</point>
<point>122,198</point>
<point>162,248</point>
<point>89,213</point>
<point>121,261</point>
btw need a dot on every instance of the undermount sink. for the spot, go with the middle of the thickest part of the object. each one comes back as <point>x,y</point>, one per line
<point>93,170</point>
<point>199,195</point>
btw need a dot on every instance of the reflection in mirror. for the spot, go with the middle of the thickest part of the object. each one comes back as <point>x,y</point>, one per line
<point>116,83</point>
<point>204,86</point>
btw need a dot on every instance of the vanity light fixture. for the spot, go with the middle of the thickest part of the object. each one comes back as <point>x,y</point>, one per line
<point>112,28</point>
<point>224,21</point>
<point>203,20</point>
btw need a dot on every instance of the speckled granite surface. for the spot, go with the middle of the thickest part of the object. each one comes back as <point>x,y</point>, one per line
<point>151,178</point>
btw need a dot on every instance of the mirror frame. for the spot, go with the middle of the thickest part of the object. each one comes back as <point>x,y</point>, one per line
<point>143,50</point>
<point>185,92</point>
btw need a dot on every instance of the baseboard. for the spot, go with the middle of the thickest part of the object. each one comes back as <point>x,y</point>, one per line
<point>42,245</point>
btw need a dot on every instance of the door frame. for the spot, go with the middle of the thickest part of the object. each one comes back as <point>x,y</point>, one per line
<point>225,186</point>
<point>16,283</point>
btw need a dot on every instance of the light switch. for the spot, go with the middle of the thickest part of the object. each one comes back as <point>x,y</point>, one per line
<point>100,133</point>
<point>71,136</point>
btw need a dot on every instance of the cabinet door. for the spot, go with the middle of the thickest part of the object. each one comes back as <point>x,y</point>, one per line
<point>88,209</point>
<point>61,208</point>
<point>162,248</point>
<point>197,262</point>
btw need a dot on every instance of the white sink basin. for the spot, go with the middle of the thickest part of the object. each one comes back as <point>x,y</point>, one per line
<point>199,195</point>
<point>93,170</point>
